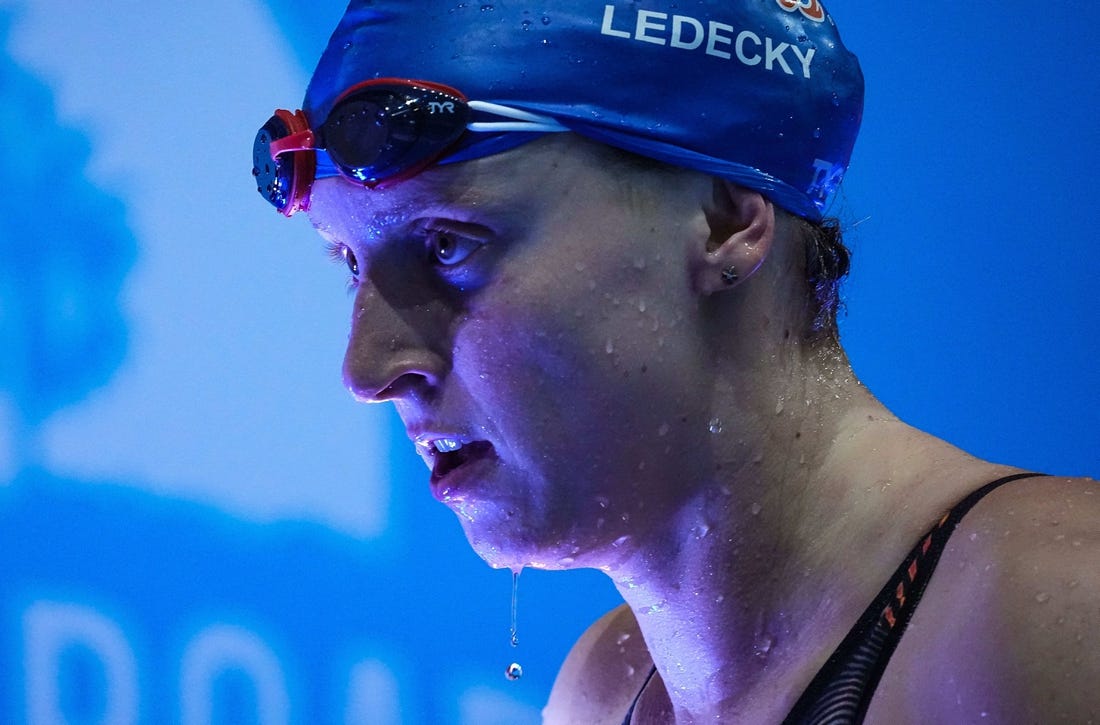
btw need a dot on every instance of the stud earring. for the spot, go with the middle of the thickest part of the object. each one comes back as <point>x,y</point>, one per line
<point>729,274</point>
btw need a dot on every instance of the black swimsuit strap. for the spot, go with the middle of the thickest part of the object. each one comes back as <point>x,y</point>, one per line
<point>841,691</point>
<point>634,704</point>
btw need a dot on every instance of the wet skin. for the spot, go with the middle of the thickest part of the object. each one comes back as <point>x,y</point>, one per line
<point>573,332</point>
<point>532,301</point>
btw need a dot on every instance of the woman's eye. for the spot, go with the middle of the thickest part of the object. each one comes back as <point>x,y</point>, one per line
<point>448,249</point>
<point>350,260</point>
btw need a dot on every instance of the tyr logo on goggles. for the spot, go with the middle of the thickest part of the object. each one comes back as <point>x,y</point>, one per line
<point>378,132</point>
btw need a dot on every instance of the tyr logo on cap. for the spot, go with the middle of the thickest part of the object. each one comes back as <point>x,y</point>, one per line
<point>812,9</point>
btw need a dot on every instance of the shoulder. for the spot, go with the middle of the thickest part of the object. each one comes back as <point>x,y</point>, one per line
<point>1009,628</point>
<point>603,673</point>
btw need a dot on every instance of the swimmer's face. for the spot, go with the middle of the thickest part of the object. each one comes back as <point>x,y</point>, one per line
<point>530,306</point>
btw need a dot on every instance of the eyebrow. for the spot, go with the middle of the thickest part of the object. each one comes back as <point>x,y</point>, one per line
<point>449,187</point>
<point>482,184</point>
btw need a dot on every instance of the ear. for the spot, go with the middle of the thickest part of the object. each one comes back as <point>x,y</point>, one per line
<point>742,228</point>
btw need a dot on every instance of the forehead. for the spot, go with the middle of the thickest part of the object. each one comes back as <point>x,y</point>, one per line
<point>509,182</point>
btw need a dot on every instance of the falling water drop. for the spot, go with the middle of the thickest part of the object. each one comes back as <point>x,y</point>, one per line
<point>514,671</point>
<point>515,591</point>
<point>715,425</point>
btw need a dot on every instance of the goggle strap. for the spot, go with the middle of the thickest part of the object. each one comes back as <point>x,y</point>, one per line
<point>494,126</point>
<point>544,123</point>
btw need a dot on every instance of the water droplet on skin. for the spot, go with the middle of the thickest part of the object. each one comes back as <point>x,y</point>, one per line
<point>641,305</point>
<point>1042,597</point>
<point>779,406</point>
<point>817,133</point>
<point>715,425</point>
<point>663,430</point>
<point>621,540</point>
<point>720,598</point>
<point>514,672</point>
<point>763,645</point>
<point>973,537</point>
<point>629,671</point>
<point>639,263</point>
<point>756,508</point>
<point>701,531</point>
<point>609,347</point>
<point>603,501</point>
<point>622,638</point>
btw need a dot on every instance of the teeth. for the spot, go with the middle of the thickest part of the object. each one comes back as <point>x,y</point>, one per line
<point>446,445</point>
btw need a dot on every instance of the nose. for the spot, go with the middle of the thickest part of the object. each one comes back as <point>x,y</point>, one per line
<point>393,348</point>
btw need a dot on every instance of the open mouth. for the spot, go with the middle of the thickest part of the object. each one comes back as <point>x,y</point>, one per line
<point>448,455</point>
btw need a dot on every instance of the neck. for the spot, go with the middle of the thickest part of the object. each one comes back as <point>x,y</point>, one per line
<point>749,585</point>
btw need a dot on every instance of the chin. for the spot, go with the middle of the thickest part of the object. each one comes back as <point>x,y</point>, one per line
<point>508,544</point>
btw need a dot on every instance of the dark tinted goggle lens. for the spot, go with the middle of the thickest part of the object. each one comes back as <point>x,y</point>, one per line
<point>274,177</point>
<point>381,131</point>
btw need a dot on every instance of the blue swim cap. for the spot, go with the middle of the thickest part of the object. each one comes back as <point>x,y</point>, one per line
<point>760,92</point>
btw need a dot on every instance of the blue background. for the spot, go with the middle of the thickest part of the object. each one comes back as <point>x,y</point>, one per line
<point>186,490</point>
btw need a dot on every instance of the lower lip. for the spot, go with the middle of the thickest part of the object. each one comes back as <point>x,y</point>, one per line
<point>451,485</point>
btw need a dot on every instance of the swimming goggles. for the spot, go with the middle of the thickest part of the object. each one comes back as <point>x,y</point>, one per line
<point>378,132</point>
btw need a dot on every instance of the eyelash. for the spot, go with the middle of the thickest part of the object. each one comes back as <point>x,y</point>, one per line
<point>342,254</point>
